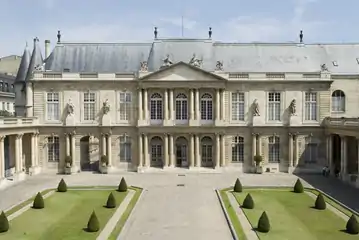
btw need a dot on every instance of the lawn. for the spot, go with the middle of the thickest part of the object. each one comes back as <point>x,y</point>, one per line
<point>293,217</point>
<point>65,216</point>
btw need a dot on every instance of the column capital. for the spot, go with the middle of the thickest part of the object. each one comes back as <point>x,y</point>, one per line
<point>19,136</point>
<point>342,136</point>
<point>255,134</point>
<point>2,138</point>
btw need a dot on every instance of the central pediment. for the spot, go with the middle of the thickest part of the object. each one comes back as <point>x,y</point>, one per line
<point>181,72</point>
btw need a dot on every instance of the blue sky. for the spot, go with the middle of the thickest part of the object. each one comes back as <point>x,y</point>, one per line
<point>133,20</point>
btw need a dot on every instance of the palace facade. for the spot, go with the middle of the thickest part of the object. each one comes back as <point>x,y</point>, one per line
<point>185,103</point>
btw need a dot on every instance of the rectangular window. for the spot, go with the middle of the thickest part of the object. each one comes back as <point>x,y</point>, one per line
<point>310,106</point>
<point>237,149</point>
<point>274,104</point>
<point>125,149</point>
<point>125,105</point>
<point>53,106</point>
<point>53,149</point>
<point>89,106</point>
<point>237,106</point>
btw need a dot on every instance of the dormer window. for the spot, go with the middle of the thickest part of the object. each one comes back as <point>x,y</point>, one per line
<point>335,63</point>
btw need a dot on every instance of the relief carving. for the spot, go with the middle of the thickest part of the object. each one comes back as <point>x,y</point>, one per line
<point>293,107</point>
<point>256,108</point>
<point>106,107</point>
<point>70,108</point>
<point>144,66</point>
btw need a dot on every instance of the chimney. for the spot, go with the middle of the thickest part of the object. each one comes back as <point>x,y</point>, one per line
<point>155,32</point>
<point>47,48</point>
<point>210,33</point>
<point>58,36</point>
<point>301,36</point>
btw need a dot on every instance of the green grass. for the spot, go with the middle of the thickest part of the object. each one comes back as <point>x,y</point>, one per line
<point>65,216</point>
<point>292,217</point>
<point>232,215</point>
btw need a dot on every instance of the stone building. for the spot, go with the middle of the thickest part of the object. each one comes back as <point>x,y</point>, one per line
<point>196,104</point>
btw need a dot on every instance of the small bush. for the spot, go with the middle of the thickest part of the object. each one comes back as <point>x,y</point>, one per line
<point>298,187</point>
<point>263,223</point>
<point>248,202</point>
<point>104,160</point>
<point>238,186</point>
<point>111,201</point>
<point>258,159</point>
<point>320,202</point>
<point>122,187</point>
<point>93,224</point>
<point>4,223</point>
<point>352,225</point>
<point>38,201</point>
<point>68,161</point>
<point>62,187</point>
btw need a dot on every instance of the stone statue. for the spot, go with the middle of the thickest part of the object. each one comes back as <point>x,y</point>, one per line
<point>256,108</point>
<point>70,108</point>
<point>106,107</point>
<point>167,61</point>
<point>144,67</point>
<point>324,68</point>
<point>195,61</point>
<point>293,107</point>
<point>39,67</point>
<point>219,66</point>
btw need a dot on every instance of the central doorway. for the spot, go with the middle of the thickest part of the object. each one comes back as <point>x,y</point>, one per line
<point>181,152</point>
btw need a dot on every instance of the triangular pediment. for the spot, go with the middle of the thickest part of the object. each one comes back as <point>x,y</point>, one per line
<point>181,72</point>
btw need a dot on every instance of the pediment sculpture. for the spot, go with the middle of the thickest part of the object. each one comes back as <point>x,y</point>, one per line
<point>39,67</point>
<point>324,68</point>
<point>106,107</point>
<point>167,61</point>
<point>195,61</point>
<point>144,66</point>
<point>256,108</point>
<point>70,108</point>
<point>219,66</point>
<point>293,107</point>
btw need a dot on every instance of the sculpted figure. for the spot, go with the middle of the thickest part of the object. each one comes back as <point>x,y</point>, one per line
<point>219,66</point>
<point>167,61</point>
<point>70,108</point>
<point>144,67</point>
<point>195,61</point>
<point>256,108</point>
<point>293,107</point>
<point>106,106</point>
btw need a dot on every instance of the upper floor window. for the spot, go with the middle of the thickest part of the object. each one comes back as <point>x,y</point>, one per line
<point>53,106</point>
<point>274,102</point>
<point>206,107</point>
<point>274,149</point>
<point>156,107</point>
<point>89,106</point>
<point>237,149</point>
<point>6,87</point>
<point>125,105</point>
<point>310,106</point>
<point>181,107</point>
<point>237,106</point>
<point>125,149</point>
<point>53,149</point>
<point>338,101</point>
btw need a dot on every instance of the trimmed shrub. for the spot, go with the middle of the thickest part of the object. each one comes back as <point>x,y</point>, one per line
<point>4,223</point>
<point>104,160</point>
<point>320,202</point>
<point>122,187</point>
<point>93,224</point>
<point>298,187</point>
<point>62,187</point>
<point>248,202</point>
<point>238,186</point>
<point>352,225</point>
<point>263,223</point>
<point>68,161</point>
<point>38,201</point>
<point>111,201</point>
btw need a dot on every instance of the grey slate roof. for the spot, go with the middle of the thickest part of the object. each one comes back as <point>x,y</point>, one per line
<point>236,57</point>
<point>36,59</point>
<point>24,65</point>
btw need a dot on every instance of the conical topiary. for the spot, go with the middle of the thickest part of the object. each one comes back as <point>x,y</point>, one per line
<point>248,202</point>
<point>93,224</point>
<point>122,187</point>
<point>238,186</point>
<point>38,202</point>
<point>111,201</point>
<point>320,202</point>
<point>4,223</point>
<point>298,187</point>
<point>352,225</point>
<point>263,223</point>
<point>62,187</point>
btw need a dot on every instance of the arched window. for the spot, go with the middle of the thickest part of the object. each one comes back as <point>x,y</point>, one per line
<point>338,101</point>
<point>207,153</point>
<point>237,149</point>
<point>53,149</point>
<point>181,107</point>
<point>156,107</point>
<point>125,148</point>
<point>206,107</point>
<point>274,149</point>
<point>156,150</point>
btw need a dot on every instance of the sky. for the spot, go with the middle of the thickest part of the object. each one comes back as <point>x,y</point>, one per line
<point>134,20</point>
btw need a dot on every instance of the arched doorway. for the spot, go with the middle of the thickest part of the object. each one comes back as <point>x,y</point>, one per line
<point>181,152</point>
<point>85,163</point>
<point>156,152</point>
<point>206,152</point>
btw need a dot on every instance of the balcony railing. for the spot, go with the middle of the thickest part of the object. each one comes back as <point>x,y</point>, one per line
<point>9,122</point>
<point>342,122</point>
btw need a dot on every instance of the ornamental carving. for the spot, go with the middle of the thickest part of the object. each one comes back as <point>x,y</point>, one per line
<point>324,68</point>
<point>256,108</point>
<point>195,61</point>
<point>293,107</point>
<point>219,66</point>
<point>167,61</point>
<point>70,108</point>
<point>106,107</point>
<point>144,66</point>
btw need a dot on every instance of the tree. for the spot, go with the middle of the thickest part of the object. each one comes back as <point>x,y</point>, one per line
<point>4,223</point>
<point>62,187</point>
<point>248,202</point>
<point>298,187</point>
<point>93,224</point>
<point>352,225</point>
<point>122,187</point>
<point>238,186</point>
<point>38,201</point>
<point>263,223</point>
<point>111,201</point>
<point>320,202</point>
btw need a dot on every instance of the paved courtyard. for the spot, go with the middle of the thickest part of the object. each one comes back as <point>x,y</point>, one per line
<point>166,210</point>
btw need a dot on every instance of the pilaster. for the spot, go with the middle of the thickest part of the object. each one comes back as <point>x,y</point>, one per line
<point>218,151</point>
<point>171,150</point>
<point>145,150</point>
<point>223,150</point>
<point>140,150</point>
<point>165,151</point>
<point>197,153</point>
<point>192,151</point>
<point>2,157</point>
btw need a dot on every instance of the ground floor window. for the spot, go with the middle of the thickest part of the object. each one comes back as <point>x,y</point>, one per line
<point>237,149</point>
<point>53,149</point>
<point>156,149</point>
<point>274,149</point>
<point>207,153</point>
<point>125,149</point>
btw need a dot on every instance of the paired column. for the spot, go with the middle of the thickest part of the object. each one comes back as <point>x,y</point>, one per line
<point>165,107</point>
<point>145,150</point>
<point>145,104</point>
<point>67,146</point>
<point>218,151</point>
<point>191,104</point>
<point>290,150</point>
<point>196,146</point>
<point>2,157</point>
<point>171,150</point>
<point>18,153</point>
<point>296,149</point>
<point>223,113</point>
<point>223,150</point>
<point>103,144</point>
<point>191,151</point>
<point>140,107</point>
<point>343,157</point>
<point>33,150</point>
<point>196,106</point>
<point>73,148</point>
<point>330,152</point>
<point>217,117</point>
<point>358,160</point>
<point>254,146</point>
<point>165,151</point>
<point>171,105</point>
<point>109,149</point>
<point>140,150</point>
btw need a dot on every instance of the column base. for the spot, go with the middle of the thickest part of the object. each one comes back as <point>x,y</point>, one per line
<point>142,169</point>
<point>291,169</point>
<point>21,176</point>
<point>34,170</point>
<point>218,122</point>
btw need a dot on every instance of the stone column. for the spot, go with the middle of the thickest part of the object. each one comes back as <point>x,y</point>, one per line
<point>358,161</point>
<point>343,157</point>
<point>165,151</point>
<point>73,148</point>
<point>2,157</point>
<point>218,151</point>
<point>37,148</point>
<point>197,151</point>
<point>171,117</point>
<point>145,109</point>
<point>223,150</point>
<point>18,153</point>
<point>145,150</point>
<point>296,150</point>
<point>33,137</point>
<point>171,150</point>
<point>330,152</point>
<point>140,107</point>
<point>254,147</point>
<point>290,150</point>
<point>217,117</point>
<point>165,105</point>
<point>223,108</point>
<point>140,150</point>
<point>67,146</point>
<point>103,144</point>
<point>191,104</point>
<point>196,106</point>
<point>109,149</point>
<point>191,151</point>
<point>259,150</point>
